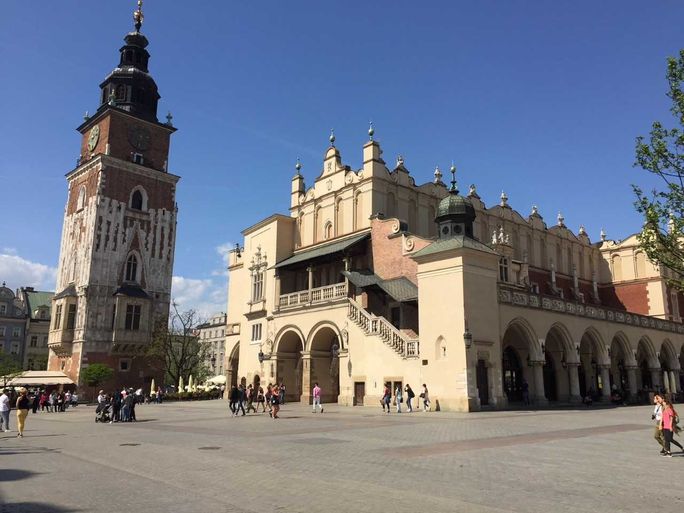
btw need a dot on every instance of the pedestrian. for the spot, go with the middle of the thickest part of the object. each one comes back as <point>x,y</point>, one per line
<point>53,401</point>
<point>261,400</point>
<point>281,393</point>
<point>74,399</point>
<point>386,397</point>
<point>117,402</point>
<point>275,402</point>
<point>425,396</point>
<point>35,400</point>
<point>250,398</point>
<point>269,398</point>
<point>4,411</point>
<point>23,405</point>
<point>44,401</point>
<point>410,394</point>
<point>398,397</point>
<point>317,398</point>
<point>240,405</point>
<point>657,415</point>
<point>667,425</point>
<point>525,392</point>
<point>67,399</point>
<point>233,397</point>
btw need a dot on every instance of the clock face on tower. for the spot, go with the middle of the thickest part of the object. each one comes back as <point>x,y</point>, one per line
<point>93,137</point>
<point>139,137</point>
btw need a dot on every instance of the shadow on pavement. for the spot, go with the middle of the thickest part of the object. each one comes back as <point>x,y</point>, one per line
<point>33,507</point>
<point>14,474</point>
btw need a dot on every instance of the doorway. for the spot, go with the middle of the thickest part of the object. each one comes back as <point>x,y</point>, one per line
<point>550,390</point>
<point>482,382</point>
<point>359,392</point>
<point>512,375</point>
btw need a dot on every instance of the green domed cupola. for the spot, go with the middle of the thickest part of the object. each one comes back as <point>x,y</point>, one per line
<point>455,213</point>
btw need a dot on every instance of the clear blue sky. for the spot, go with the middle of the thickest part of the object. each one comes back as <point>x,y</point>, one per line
<point>540,99</point>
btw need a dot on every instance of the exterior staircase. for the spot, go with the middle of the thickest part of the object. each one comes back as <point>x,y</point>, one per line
<point>402,344</point>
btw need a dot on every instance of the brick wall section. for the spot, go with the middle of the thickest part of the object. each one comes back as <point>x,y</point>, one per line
<point>114,128</point>
<point>631,297</point>
<point>118,185</point>
<point>89,180</point>
<point>543,279</point>
<point>386,250</point>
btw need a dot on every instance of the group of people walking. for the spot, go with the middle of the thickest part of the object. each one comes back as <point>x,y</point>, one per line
<point>386,401</point>
<point>24,400</point>
<point>118,406</point>
<point>667,425</point>
<point>254,396</point>
<point>22,403</point>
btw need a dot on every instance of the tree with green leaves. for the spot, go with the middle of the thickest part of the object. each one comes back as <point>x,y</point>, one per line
<point>96,374</point>
<point>10,367</point>
<point>176,346</point>
<point>662,154</point>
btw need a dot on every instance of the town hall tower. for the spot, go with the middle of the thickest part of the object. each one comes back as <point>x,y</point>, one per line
<point>119,231</point>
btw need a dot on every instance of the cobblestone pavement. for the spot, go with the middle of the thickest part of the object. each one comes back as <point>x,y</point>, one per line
<point>195,457</point>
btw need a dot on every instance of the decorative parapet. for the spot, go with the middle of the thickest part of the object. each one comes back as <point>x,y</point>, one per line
<point>554,304</point>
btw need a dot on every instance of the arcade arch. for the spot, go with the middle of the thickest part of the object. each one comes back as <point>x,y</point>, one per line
<point>324,346</point>
<point>288,354</point>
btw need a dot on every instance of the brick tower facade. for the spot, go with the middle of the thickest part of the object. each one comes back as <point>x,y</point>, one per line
<point>119,231</point>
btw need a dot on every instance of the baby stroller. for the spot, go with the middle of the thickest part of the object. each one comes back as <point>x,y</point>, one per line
<point>103,413</point>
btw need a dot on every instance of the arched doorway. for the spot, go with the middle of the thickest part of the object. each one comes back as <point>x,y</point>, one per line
<point>668,364</point>
<point>557,354</point>
<point>550,385</point>
<point>521,363</point>
<point>619,359</point>
<point>233,365</point>
<point>325,363</point>
<point>592,352</point>
<point>512,375</point>
<point>651,377</point>
<point>289,364</point>
<point>482,379</point>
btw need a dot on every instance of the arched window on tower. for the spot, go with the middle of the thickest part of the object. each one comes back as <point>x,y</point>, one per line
<point>328,231</point>
<point>80,203</point>
<point>617,267</point>
<point>120,92</point>
<point>137,201</point>
<point>132,268</point>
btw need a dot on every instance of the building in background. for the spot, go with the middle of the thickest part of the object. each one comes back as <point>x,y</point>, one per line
<point>12,323</point>
<point>373,279</point>
<point>119,231</point>
<point>212,335</point>
<point>37,305</point>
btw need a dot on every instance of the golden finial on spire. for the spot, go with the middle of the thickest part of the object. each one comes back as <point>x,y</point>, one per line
<point>138,16</point>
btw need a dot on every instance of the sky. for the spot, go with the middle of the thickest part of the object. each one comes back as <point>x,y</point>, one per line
<point>542,100</point>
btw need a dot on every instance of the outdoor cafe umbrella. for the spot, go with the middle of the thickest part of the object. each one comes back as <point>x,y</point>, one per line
<point>153,388</point>
<point>180,385</point>
<point>191,384</point>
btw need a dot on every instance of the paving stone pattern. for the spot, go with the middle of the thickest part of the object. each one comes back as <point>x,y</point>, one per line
<point>195,457</point>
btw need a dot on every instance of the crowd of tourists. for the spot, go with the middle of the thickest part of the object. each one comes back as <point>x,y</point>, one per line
<point>119,406</point>
<point>388,400</point>
<point>25,400</point>
<point>254,396</point>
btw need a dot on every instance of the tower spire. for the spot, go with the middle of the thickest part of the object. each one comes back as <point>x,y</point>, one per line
<point>454,187</point>
<point>138,16</point>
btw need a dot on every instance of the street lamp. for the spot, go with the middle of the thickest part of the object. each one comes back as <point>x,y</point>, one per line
<point>261,356</point>
<point>468,338</point>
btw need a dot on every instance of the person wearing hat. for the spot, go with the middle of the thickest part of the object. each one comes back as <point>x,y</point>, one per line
<point>23,404</point>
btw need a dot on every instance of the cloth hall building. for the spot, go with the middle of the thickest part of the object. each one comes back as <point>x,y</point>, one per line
<point>373,279</point>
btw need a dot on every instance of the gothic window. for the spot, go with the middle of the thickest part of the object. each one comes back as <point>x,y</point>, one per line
<point>132,268</point>
<point>81,198</point>
<point>71,317</point>
<point>34,340</point>
<point>358,212</point>
<point>132,317</point>
<point>138,199</point>
<point>640,264</point>
<point>328,230</point>
<point>503,269</point>
<point>58,317</point>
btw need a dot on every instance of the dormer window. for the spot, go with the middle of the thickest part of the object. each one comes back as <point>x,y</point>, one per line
<point>138,158</point>
<point>132,268</point>
<point>120,92</point>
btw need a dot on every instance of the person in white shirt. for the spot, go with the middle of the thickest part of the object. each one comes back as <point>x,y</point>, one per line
<point>101,397</point>
<point>657,416</point>
<point>4,411</point>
